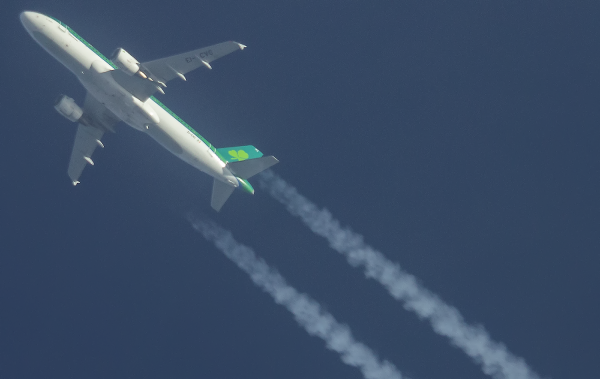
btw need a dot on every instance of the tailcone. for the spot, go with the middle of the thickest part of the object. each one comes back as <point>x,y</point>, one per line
<point>245,185</point>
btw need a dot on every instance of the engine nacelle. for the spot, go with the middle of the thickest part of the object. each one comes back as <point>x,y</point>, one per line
<point>123,60</point>
<point>68,108</point>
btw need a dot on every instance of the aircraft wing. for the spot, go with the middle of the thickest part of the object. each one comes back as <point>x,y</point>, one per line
<point>95,120</point>
<point>160,71</point>
<point>97,115</point>
<point>165,69</point>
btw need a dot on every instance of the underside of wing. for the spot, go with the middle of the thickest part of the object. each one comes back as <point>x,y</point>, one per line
<point>165,69</point>
<point>97,115</point>
<point>152,76</point>
<point>96,120</point>
<point>87,139</point>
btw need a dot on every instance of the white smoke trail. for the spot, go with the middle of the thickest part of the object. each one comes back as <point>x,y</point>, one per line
<point>474,340</point>
<point>307,312</point>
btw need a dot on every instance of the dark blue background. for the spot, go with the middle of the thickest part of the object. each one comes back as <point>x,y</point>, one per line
<point>459,137</point>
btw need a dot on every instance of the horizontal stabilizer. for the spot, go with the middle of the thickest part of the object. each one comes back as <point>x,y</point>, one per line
<point>220,193</point>
<point>239,153</point>
<point>250,167</point>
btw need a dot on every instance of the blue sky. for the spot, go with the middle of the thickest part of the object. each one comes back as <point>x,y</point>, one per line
<point>459,138</point>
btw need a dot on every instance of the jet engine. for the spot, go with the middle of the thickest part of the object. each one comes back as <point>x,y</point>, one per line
<point>68,108</point>
<point>128,64</point>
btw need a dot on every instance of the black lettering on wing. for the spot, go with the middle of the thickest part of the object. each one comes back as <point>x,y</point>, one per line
<point>205,54</point>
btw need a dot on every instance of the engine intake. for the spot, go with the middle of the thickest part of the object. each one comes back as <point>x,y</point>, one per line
<point>68,108</point>
<point>128,64</point>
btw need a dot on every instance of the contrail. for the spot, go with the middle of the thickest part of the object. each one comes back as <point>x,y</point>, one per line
<point>493,357</point>
<point>307,312</point>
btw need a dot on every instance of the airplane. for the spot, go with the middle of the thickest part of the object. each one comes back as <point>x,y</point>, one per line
<point>122,89</point>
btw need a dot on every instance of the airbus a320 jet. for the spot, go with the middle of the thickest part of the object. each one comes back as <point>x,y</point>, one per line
<point>122,89</point>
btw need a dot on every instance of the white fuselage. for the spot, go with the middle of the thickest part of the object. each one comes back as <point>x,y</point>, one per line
<point>148,117</point>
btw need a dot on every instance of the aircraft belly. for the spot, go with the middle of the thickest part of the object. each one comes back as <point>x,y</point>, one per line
<point>127,107</point>
<point>176,138</point>
<point>165,139</point>
<point>113,100</point>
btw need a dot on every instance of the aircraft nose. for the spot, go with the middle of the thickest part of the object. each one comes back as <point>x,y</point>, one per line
<point>28,19</point>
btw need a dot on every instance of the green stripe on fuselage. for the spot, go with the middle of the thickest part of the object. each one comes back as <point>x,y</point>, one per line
<point>86,43</point>
<point>211,147</point>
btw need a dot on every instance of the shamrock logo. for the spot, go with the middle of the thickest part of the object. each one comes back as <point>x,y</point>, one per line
<point>239,155</point>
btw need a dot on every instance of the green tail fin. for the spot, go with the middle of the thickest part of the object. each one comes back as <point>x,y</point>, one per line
<point>239,153</point>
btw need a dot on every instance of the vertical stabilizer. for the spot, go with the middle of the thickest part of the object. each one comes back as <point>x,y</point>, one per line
<point>239,153</point>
